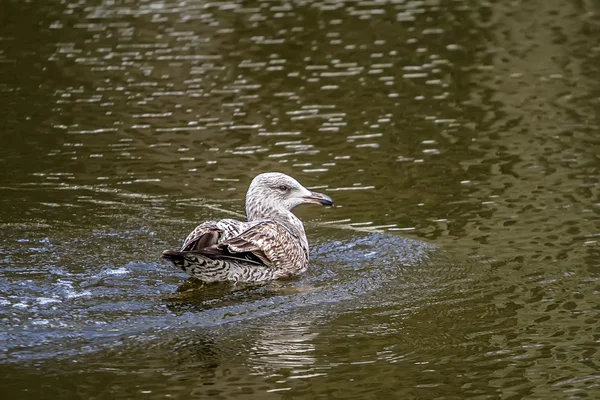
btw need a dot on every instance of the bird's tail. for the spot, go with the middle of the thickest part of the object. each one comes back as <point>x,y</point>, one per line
<point>198,265</point>
<point>177,258</point>
<point>172,255</point>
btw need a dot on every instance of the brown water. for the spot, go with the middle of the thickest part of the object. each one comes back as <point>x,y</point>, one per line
<point>460,140</point>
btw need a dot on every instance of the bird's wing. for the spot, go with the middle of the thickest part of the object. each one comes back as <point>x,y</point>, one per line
<point>266,243</point>
<point>210,233</point>
<point>206,234</point>
<point>233,227</point>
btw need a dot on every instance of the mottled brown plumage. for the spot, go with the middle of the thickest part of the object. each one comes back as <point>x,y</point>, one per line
<point>271,245</point>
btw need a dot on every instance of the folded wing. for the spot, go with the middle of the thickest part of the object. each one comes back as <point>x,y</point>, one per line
<point>266,243</point>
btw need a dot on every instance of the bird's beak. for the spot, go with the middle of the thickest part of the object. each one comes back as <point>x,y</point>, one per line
<point>318,198</point>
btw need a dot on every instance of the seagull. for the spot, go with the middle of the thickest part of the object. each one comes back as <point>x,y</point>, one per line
<point>271,245</point>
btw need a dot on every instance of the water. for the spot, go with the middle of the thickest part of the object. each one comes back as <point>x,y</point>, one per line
<point>458,139</point>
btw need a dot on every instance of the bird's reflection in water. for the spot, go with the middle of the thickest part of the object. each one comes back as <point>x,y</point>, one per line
<point>276,338</point>
<point>283,342</point>
<point>286,342</point>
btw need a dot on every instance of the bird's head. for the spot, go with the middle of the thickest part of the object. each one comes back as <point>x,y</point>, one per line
<point>277,190</point>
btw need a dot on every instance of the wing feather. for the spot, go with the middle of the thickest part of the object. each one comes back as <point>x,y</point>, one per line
<point>210,233</point>
<point>266,242</point>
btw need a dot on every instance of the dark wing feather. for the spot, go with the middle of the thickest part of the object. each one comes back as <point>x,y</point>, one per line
<point>267,242</point>
<point>205,235</point>
<point>210,233</point>
<point>217,253</point>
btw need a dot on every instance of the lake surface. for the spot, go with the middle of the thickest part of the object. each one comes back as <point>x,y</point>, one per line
<point>460,141</point>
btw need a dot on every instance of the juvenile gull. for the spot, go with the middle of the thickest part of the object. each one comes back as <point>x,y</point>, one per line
<point>271,245</point>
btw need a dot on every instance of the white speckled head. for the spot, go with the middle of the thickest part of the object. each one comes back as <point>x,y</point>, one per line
<point>272,192</point>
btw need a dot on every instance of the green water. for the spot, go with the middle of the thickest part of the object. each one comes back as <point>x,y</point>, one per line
<point>460,141</point>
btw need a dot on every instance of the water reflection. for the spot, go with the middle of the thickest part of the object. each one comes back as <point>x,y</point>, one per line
<point>287,345</point>
<point>466,124</point>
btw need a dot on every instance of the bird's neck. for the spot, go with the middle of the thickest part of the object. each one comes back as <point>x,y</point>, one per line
<point>284,217</point>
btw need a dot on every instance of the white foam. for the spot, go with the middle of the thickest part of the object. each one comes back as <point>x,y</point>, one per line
<point>118,271</point>
<point>47,300</point>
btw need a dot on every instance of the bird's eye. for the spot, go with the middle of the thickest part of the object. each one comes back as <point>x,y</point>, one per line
<point>283,188</point>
